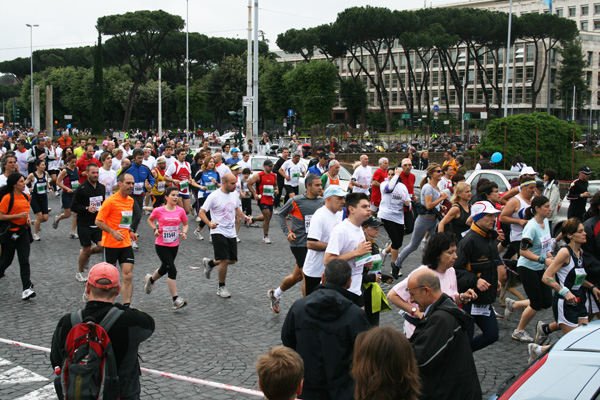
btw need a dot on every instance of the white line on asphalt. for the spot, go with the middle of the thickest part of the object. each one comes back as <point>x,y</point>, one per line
<point>20,375</point>
<point>45,393</point>
<point>4,362</point>
<point>154,372</point>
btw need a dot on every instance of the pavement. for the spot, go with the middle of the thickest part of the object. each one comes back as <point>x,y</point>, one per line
<point>214,339</point>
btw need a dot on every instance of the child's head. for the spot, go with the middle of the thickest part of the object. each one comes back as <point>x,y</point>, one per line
<point>246,173</point>
<point>280,373</point>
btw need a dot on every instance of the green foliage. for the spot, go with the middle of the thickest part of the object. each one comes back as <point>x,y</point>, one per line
<point>273,88</point>
<point>554,142</point>
<point>354,98</point>
<point>314,86</point>
<point>572,74</point>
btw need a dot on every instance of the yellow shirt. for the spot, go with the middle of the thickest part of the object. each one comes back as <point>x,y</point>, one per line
<point>78,152</point>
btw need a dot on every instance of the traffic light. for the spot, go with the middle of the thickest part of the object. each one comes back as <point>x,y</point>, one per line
<point>240,120</point>
<point>17,113</point>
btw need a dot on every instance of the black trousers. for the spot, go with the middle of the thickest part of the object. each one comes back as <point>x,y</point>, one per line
<point>22,246</point>
<point>138,206</point>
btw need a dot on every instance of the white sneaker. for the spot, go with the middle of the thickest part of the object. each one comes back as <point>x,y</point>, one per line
<point>508,308</point>
<point>57,193</point>
<point>55,223</point>
<point>266,240</point>
<point>424,243</point>
<point>147,284</point>
<point>36,237</point>
<point>198,235</point>
<point>532,350</point>
<point>80,276</point>
<point>223,292</point>
<point>237,239</point>
<point>134,245</point>
<point>73,235</point>
<point>29,294</point>
<point>522,336</point>
<point>146,212</point>
<point>210,238</point>
<point>207,268</point>
<point>179,303</point>
<point>198,219</point>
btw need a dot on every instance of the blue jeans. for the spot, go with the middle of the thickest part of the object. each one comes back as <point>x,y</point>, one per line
<point>488,326</point>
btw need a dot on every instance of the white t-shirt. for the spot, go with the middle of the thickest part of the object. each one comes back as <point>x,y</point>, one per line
<point>53,164</point>
<point>391,207</point>
<point>22,161</point>
<point>170,161</point>
<point>363,176</point>
<point>150,162</point>
<point>4,179</point>
<point>116,164</point>
<point>222,169</point>
<point>346,237</point>
<point>321,224</point>
<point>222,208</point>
<point>445,185</point>
<point>245,164</point>
<point>294,171</point>
<point>108,179</point>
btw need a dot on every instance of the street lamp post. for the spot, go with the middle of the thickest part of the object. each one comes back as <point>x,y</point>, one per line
<point>507,60</point>
<point>187,67</point>
<point>31,26</point>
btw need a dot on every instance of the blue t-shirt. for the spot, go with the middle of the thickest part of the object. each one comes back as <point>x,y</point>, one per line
<point>542,243</point>
<point>232,161</point>
<point>203,178</point>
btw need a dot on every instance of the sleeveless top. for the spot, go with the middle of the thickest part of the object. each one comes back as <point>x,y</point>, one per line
<point>331,181</point>
<point>516,230</point>
<point>459,225</point>
<point>573,274</point>
<point>266,187</point>
<point>159,183</point>
<point>72,178</point>
<point>40,185</point>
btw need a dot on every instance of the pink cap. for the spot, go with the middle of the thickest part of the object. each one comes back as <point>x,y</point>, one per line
<point>105,143</point>
<point>106,271</point>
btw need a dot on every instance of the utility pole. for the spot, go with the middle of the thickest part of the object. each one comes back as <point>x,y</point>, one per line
<point>31,26</point>
<point>249,126</point>
<point>255,78</point>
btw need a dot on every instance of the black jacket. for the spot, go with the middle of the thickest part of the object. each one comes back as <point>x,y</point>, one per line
<point>322,328</point>
<point>81,200</point>
<point>128,332</point>
<point>477,257</point>
<point>443,353</point>
<point>591,250</point>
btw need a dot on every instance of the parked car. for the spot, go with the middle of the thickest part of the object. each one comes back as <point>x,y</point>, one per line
<point>569,370</point>
<point>563,207</point>
<point>501,177</point>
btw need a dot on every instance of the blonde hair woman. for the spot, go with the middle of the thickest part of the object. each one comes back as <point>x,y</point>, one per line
<point>458,219</point>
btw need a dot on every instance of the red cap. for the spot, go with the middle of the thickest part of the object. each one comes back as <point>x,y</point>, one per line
<point>106,271</point>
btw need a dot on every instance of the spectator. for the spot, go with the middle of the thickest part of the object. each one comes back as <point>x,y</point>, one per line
<point>578,194</point>
<point>280,373</point>
<point>484,161</point>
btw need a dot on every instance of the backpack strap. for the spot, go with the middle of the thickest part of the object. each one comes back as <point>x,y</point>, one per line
<point>76,318</point>
<point>111,317</point>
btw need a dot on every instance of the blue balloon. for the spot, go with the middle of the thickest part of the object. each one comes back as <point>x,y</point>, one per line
<point>496,157</point>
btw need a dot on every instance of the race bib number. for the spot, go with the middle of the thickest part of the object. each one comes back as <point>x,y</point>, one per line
<point>268,190</point>
<point>546,245</point>
<point>377,262</point>
<point>362,260</point>
<point>161,186</point>
<point>138,188</point>
<point>183,185</point>
<point>108,191</point>
<point>170,234</point>
<point>580,276</point>
<point>74,185</point>
<point>41,188</point>
<point>126,219</point>
<point>295,175</point>
<point>397,201</point>
<point>484,310</point>
<point>307,219</point>
<point>96,201</point>
<point>211,187</point>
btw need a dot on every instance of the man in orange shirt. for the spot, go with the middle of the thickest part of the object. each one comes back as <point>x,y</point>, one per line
<point>65,140</point>
<point>115,218</point>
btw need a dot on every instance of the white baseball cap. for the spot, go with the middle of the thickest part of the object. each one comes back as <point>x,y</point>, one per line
<point>528,171</point>
<point>483,207</point>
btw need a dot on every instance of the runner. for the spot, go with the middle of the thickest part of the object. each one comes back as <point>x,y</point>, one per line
<point>302,208</point>
<point>320,167</point>
<point>53,165</point>
<point>266,187</point>
<point>456,219</point>
<point>331,177</point>
<point>84,160</point>
<point>285,154</point>
<point>514,214</point>
<point>292,170</point>
<point>208,181</point>
<point>39,195</point>
<point>380,175</point>
<point>245,162</point>
<point>347,241</point>
<point>167,234</point>
<point>87,201</point>
<point>19,228</point>
<point>246,194</point>
<point>115,219</point>
<point>224,206</point>
<point>106,176</point>
<point>157,194</point>
<point>22,153</point>
<point>362,176</point>
<point>68,181</point>
<point>179,174</point>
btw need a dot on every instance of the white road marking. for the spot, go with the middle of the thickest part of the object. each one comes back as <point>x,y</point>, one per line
<point>20,375</point>
<point>4,362</point>
<point>45,393</point>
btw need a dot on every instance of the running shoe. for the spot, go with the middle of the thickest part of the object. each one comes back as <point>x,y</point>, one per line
<point>73,235</point>
<point>148,284</point>
<point>28,294</point>
<point>146,212</point>
<point>179,303</point>
<point>198,219</point>
<point>532,349</point>
<point>383,253</point>
<point>210,238</point>
<point>207,268</point>
<point>522,336</point>
<point>49,209</point>
<point>540,335</point>
<point>424,243</point>
<point>508,310</point>
<point>55,223</point>
<point>266,240</point>
<point>134,245</point>
<point>80,276</point>
<point>57,193</point>
<point>396,271</point>
<point>237,239</point>
<point>198,235</point>
<point>223,292</point>
<point>36,237</point>
<point>274,301</point>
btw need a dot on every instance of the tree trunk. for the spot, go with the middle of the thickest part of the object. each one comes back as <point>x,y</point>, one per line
<point>129,105</point>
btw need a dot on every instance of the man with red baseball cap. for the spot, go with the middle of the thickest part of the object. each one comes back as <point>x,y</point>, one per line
<point>126,334</point>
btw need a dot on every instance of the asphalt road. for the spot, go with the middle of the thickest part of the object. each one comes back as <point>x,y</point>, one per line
<point>212,338</point>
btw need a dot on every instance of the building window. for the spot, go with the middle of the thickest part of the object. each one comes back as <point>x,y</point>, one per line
<point>585,10</point>
<point>519,75</point>
<point>395,97</point>
<point>395,80</point>
<point>452,96</point>
<point>530,53</point>
<point>588,78</point>
<point>559,12</point>
<point>572,11</point>
<point>528,95</point>
<point>500,56</point>
<point>590,58</point>
<point>435,61</point>
<point>499,74</point>
<point>480,97</point>
<point>584,25</point>
<point>471,77</point>
<point>596,24</point>
<point>435,78</point>
<point>596,8</point>
<point>470,96</point>
<point>529,73</point>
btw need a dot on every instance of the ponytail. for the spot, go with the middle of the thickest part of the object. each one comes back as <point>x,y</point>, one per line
<point>537,201</point>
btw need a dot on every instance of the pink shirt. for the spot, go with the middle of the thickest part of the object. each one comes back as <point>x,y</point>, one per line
<point>168,223</point>
<point>447,283</point>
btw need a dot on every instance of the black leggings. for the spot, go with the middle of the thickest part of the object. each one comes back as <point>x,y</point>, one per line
<point>21,247</point>
<point>395,231</point>
<point>247,206</point>
<point>201,201</point>
<point>538,293</point>
<point>138,206</point>
<point>167,258</point>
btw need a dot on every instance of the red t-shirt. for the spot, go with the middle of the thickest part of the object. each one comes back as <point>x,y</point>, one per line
<point>266,183</point>
<point>409,182</point>
<point>379,176</point>
<point>82,164</point>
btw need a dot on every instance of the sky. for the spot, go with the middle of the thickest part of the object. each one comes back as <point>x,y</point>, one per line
<point>71,23</point>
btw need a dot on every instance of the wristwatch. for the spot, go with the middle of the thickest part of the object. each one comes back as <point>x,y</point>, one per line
<point>413,311</point>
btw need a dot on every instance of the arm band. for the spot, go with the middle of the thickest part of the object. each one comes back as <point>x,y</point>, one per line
<point>563,292</point>
<point>526,244</point>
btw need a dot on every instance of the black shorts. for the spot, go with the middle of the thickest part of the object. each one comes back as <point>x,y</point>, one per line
<point>225,248</point>
<point>87,235</point>
<point>538,293</point>
<point>569,314</point>
<point>395,231</point>
<point>39,203</point>
<point>67,199</point>
<point>311,283</point>
<point>266,207</point>
<point>291,189</point>
<point>157,200</point>
<point>124,255</point>
<point>53,172</point>
<point>300,255</point>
